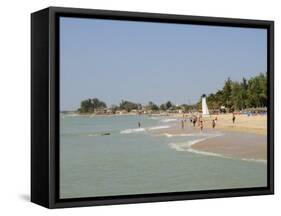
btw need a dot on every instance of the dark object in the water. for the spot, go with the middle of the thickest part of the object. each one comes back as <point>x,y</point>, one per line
<point>105,134</point>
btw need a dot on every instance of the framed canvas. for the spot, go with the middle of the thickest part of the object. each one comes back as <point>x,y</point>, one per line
<point>139,107</point>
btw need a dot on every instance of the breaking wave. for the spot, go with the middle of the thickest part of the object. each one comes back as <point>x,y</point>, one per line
<point>159,127</point>
<point>187,146</point>
<point>93,135</point>
<point>132,130</point>
<point>207,135</point>
<point>255,160</point>
<point>168,120</point>
<point>137,130</point>
<point>155,118</point>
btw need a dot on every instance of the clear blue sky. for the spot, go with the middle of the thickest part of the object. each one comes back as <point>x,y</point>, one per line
<point>141,61</point>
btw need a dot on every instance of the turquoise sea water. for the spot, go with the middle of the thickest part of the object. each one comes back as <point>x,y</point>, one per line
<point>134,160</point>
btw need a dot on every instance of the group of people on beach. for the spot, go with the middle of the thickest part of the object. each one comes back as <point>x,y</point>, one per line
<point>200,123</point>
<point>198,120</point>
<point>193,120</point>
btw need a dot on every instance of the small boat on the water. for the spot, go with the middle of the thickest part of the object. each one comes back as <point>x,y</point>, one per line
<point>105,134</point>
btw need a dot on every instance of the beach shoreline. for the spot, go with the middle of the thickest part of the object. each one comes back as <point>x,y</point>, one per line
<point>245,139</point>
<point>256,124</point>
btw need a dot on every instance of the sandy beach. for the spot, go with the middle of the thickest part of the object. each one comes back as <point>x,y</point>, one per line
<point>245,139</point>
<point>243,123</point>
<point>236,145</point>
<point>256,124</point>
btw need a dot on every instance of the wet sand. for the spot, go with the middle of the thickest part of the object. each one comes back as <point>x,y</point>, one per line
<point>246,139</point>
<point>236,145</point>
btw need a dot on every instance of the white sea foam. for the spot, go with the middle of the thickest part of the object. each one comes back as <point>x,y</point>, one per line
<point>255,160</point>
<point>168,120</point>
<point>132,130</point>
<point>137,130</point>
<point>155,118</point>
<point>187,146</point>
<point>92,135</point>
<point>193,142</point>
<point>168,135</point>
<point>206,153</point>
<point>223,156</point>
<point>159,127</point>
<point>209,135</point>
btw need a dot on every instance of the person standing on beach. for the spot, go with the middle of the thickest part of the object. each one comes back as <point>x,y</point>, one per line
<point>182,124</point>
<point>201,125</point>
<point>199,120</point>
<point>139,124</point>
<point>214,123</point>
<point>233,118</point>
<point>194,120</point>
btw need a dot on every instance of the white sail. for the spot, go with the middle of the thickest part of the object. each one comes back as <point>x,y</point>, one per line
<point>205,110</point>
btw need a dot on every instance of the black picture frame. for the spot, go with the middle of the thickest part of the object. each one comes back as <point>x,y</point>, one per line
<point>45,106</point>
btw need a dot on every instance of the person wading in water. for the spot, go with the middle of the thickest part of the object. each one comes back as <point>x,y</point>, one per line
<point>182,124</point>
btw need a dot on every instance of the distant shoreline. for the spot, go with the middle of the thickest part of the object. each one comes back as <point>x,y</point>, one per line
<point>123,114</point>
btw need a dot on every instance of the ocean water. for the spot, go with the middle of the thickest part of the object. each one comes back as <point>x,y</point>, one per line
<point>134,160</point>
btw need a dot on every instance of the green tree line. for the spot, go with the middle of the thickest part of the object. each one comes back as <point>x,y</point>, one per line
<point>90,105</point>
<point>235,95</point>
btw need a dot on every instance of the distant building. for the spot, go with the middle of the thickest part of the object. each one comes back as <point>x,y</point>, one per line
<point>103,111</point>
<point>134,111</point>
<point>121,112</point>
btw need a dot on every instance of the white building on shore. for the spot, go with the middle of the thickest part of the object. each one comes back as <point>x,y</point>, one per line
<point>205,110</point>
